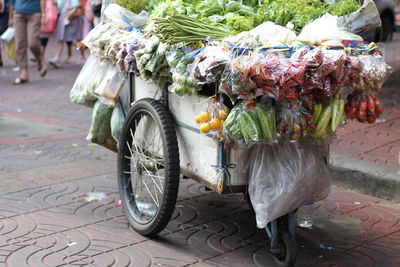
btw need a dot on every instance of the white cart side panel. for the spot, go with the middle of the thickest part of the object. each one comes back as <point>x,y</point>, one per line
<point>240,159</point>
<point>197,152</point>
<point>143,89</point>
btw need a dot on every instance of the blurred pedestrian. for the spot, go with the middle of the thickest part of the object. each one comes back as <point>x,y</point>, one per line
<point>26,16</point>
<point>69,28</point>
<point>3,22</point>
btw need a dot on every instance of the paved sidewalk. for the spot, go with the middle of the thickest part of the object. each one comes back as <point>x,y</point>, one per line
<point>56,226</point>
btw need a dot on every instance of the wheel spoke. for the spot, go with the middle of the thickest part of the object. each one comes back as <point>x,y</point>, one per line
<point>151,195</point>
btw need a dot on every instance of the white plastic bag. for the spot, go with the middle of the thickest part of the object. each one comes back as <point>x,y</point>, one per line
<point>8,35</point>
<point>108,90</point>
<point>100,129</point>
<point>364,19</point>
<point>80,93</point>
<point>272,34</point>
<point>117,122</point>
<point>322,29</point>
<point>285,176</point>
<point>125,18</point>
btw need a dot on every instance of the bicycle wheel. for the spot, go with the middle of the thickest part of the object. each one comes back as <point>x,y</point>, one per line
<point>148,167</point>
<point>287,250</point>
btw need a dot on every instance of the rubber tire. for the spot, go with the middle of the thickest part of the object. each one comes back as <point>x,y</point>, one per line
<point>171,159</point>
<point>291,250</point>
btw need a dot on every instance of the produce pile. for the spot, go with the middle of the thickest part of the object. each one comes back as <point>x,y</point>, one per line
<point>269,84</point>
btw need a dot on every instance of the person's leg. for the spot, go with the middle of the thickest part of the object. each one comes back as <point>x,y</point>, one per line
<point>55,61</point>
<point>21,43</point>
<point>34,37</point>
<point>43,45</point>
<point>69,52</point>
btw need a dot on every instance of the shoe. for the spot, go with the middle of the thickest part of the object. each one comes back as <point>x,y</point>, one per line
<point>43,71</point>
<point>32,59</point>
<point>19,80</point>
<point>55,64</point>
<point>1,64</point>
<point>16,69</point>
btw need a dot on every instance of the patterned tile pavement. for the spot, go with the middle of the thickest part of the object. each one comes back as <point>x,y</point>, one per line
<point>57,226</point>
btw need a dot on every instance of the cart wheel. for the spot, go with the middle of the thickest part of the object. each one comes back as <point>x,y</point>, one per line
<point>287,250</point>
<point>148,167</point>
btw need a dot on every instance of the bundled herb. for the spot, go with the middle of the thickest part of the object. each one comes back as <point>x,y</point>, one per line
<point>179,28</point>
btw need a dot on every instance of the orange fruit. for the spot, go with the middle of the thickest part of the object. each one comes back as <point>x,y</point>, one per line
<point>215,124</point>
<point>205,116</point>
<point>198,119</point>
<point>223,113</point>
<point>205,127</point>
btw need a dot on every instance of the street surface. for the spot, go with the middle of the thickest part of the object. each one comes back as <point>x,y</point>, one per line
<point>47,169</point>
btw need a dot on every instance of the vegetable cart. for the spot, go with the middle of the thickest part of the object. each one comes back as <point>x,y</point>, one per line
<point>267,102</point>
<point>159,142</point>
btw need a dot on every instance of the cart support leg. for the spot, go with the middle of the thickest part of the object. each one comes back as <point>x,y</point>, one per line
<point>273,231</point>
<point>291,224</point>
<point>273,236</point>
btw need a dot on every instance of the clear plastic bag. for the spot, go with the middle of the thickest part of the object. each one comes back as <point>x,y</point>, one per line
<point>363,106</point>
<point>285,176</point>
<point>82,92</point>
<point>100,37</point>
<point>373,74</point>
<point>209,64</point>
<point>243,68</point>
<point>251,122</point>
<point>291,120</point>
<point>125,18</point>
<point>108,90</point>
<point>211,118</point>
<point>100,129</point>
<point>117,122</point>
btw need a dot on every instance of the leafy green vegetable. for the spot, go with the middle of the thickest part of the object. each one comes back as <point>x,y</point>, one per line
<point>343,7</point>
<point>237,23</point>
<point>135,6</point>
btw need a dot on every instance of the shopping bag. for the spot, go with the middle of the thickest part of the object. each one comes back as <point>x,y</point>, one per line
<point>8,35</point>
<point>50,17</point>
<point>10,49</point>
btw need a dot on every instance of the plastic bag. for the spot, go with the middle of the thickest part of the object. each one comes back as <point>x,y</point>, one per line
<point>10,49</point>
<point>81,93</point>
<point>125,18</point>
<point>366,107</point>
<point>100,129</point>
<point>209,64</point>
<point>108,90</point>
<point>51,15</point>
<point>322,29</point>
<point>373,74</point>
<point>362,20</point>
<point>291,120</point>
<point>285,176</point>
<point>271,34</point>
<point>183,83</point>
<point>251,122</point>
<point>100,37</point>
<point>117,122</point>
<point>212,116</point>
<point>8,35</point>
<point>243,68</point>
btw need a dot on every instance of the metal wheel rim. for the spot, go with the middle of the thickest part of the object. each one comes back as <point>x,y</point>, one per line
<point>144,177</point>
